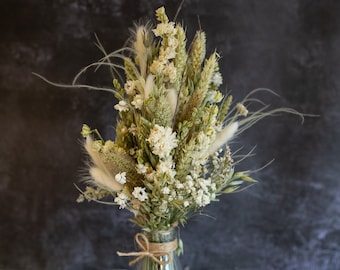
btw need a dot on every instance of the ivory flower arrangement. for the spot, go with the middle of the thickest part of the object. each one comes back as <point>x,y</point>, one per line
<point>170,156</point>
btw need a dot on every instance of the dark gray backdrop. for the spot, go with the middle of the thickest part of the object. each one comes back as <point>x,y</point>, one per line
<point>290,220</point>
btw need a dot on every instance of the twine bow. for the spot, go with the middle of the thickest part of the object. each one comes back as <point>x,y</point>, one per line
<point>150,249</point>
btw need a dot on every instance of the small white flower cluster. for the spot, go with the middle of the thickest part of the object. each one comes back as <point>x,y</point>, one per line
<point>192,193</point>
<point>121,200</point>
<point>121,178</point>
<point>197,191</point>
<point>167,51</point>
<point>138,101</point>
<point>139,193</point>
<point>162,141</point>
<point>135,90</point>
<point>124,198</point>
<point>122,106</point>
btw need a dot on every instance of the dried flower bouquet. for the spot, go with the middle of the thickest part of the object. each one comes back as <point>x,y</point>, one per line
<point>170,156</point>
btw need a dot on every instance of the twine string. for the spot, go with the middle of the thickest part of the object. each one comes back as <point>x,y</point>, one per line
<point>151,250</point>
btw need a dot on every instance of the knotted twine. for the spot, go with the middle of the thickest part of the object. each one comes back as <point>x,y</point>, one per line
<point>151,250</point>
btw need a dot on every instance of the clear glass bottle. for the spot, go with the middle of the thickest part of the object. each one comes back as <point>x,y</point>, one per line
<point>148,263</point>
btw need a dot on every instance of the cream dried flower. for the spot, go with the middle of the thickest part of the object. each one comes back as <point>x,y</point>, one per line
<point>167,167</point>
<point>170,72</point>
<point>217,79</point>
<point>141,168</point>
<point>121,200</point>
<point>140,194</point>
<point>121,178</point>
<point>138,101</point>
<point>162,141</point>
<point>186,204</point>
<point>164,29</point>
<point>122,106</point>
<point>165,190</point>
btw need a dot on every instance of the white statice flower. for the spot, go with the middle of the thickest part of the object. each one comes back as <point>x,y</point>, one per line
<point>179,185</point>
<point>121,178</point>
<point>165,29</point>
<point>186,203</point>
<point>214,96</point>
<point>172,42</point>
<point>180,196</point>
<point>169,53</point>
<point>173,195</point>
<point>202,199</point>
<point>217,79</point>
<point>189,178</point>
<point>141,168</point>
<point>166,166</point>
<point>140,194</point>
<point>195,174</point>
<point>162,141</point>
<point>138,101</point>
<point>122,106</point>
<point>130,88</point>
<point>158,66</point>
<point>204,184</point>
<point>121,200</point>
<point>189,184</point>
<point>163,207</point>
<point>170,72</point>
<point>165,190</point>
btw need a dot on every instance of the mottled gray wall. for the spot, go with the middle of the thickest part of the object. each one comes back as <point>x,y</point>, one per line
<point>290,220</point>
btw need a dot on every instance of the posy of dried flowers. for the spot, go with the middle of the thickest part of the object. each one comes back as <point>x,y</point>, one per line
<point>170,156</point>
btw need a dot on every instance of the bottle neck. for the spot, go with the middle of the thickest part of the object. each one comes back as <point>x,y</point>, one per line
<point>162,236</point>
